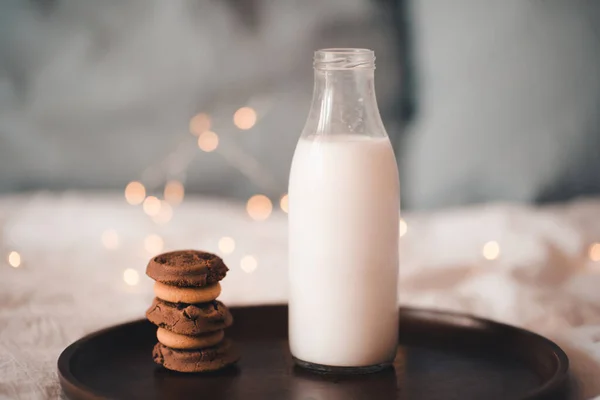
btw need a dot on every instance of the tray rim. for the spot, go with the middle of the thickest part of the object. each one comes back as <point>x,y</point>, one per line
<point>73,388</point>
<point>561,373</point>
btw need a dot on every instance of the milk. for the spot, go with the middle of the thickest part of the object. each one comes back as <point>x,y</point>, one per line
<point>343,243</point>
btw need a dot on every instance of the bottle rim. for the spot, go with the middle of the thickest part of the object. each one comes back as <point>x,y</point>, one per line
<point>344,59</point>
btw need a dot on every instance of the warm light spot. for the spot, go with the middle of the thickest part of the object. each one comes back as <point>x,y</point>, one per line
<point>491,250</point>
<point>248,264</point>
<point>259,207</point>
<point>244,118</point>
<point>131,277</point>
<point>174,192</point>
<point>110,239</point>
<point>135,193</point>
<point>226,245</point>
<point>199,124</point>
<point>208,141</point>
<point>165,214</point>
<point>284,202</point>
<point>403,227</point>
<point>153,244</point>
<point>152,206</point>
<point>14,259</point>
<point>594,252</point>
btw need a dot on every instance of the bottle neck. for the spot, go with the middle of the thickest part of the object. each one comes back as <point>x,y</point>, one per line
<point>344,99</point>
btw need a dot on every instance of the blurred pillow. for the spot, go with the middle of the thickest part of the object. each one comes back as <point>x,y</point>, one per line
<point>509,93</point>
<point>94,94</point>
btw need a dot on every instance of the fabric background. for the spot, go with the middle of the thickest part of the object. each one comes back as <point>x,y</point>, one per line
<point>69,285</point>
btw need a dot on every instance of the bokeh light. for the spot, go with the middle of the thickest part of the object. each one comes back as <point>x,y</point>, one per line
<point>131,277</point>
<point>208,141</point>
<point>403,227</point>
<point>152,206</point>
<point>244,118</point>
<point>153,244</point>
<point>226,245</point>
<point>199,124</point>
<point>110,239</point>
<point>174,192</point>
<point>135,193</point>
<point>491,250</point>
<point>248,264</point>
<point>14,259</point>
<point>284,203</point>
<point>259,207</point>
<point>165,214</point>
<point>594,252</point>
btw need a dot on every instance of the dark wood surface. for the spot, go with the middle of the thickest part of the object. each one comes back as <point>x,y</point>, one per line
<point>441,356</point>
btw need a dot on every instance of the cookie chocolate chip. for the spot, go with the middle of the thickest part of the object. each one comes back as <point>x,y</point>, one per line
<point>189,319</point>
<point>202,360</point>
<point>190,268</point>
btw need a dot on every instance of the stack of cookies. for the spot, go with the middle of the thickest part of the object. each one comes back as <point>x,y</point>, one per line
<point>190,320</point>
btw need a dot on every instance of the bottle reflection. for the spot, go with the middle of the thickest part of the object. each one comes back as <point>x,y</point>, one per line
<point>311,386</point>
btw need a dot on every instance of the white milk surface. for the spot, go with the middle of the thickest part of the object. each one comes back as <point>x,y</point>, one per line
<point>343,232</point>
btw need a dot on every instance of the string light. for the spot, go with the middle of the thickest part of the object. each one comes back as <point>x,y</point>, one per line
<point>284,203</point>
<point>491,250</point>
<point>152,206</point>
<point>244,118</point>
<point>403,227</point>
<point>14,259</point>
<point>208,141</point>
<point>135,192</point>
<point>226,245</point>
<point>131,277</point>
<point>110,239</point>
<point>594,252</point>
<point>174,192</point>
<point>199,124</point>
<point>153,244</point>
<point>165,214</point>
<point>259,207</point>
<point>248,264</point>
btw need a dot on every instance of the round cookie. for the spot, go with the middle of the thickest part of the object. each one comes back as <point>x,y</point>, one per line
<point>189,295</point>
<point>185,342</point>
<point>204,360</point>
<point>189,319</point>
<point>187,268</point>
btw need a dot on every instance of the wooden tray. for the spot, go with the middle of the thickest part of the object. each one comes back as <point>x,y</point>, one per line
<point>441,356</point>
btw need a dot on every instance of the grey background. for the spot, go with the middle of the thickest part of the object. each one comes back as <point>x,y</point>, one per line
<point>94,94</point>
<point>509,102</point>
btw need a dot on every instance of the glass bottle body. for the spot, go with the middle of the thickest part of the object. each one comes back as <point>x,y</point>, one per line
<point>343,224</point>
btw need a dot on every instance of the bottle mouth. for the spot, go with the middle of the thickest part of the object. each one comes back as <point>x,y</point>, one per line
<point>344,59</point>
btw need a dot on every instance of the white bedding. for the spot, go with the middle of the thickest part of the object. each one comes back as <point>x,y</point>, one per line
<point>69,284</point>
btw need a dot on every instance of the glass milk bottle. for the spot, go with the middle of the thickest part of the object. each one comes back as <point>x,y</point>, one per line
<point>343,224</point>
